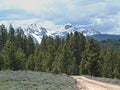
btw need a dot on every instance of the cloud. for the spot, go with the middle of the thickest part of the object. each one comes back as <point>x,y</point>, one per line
<point>17,23</point>
<point>15,14</point>
<point>104,15</point>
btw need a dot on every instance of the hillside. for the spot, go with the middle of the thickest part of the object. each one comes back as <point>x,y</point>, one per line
<point>101,37</point>
<point>110,43</point>
<point>28,80</point>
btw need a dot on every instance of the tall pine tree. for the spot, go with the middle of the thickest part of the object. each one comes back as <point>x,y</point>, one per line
<point>9,55</point>
<point>3,36</point>
<point>91,58</point>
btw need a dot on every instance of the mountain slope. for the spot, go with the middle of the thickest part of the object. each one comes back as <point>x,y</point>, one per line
<point>110,43</point>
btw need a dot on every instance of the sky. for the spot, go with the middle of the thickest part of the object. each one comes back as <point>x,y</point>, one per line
<point>102,15</point>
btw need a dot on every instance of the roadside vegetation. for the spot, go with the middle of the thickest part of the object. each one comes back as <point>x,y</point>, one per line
<point>29,80</point>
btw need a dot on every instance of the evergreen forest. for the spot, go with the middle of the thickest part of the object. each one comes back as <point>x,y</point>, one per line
<point>73,55</point>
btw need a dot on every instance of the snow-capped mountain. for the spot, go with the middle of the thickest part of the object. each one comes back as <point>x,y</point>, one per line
<point>37,31</point>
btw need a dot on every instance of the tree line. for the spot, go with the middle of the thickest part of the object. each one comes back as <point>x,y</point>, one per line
<point>73,55</point>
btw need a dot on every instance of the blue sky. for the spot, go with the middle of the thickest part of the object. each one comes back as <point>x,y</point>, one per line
<point>103,15</point>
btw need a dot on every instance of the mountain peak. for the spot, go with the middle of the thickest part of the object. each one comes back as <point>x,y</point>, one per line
<point>35,26</point>
<point>90,32</point>
<point>67,26</point>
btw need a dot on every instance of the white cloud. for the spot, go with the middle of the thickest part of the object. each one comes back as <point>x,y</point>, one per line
<point>48,24</point>
<point>98,21</point>
<point>105,14</point>
<point>17,23</point>
<point>26,22</point>
<point>35,6</point>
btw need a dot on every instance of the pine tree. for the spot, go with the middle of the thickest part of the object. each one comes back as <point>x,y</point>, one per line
<point>9,55</point>
<point>1,62</point>
<point>20,59</point>
<point>78,46</point>
<point>30,64</point>
<point>91,58</point>
<point>24,45</point>
<point>3,36</point>
<point>63,57</point>
<point>18,40</point>
<point>66,60</point>
<point>50,58</point>
<point>38,57</point>
<point>43,44</point>
<point>117,67</point>
<point>30,46</point>
<point>50,54</point>
<point>109,62</point>
<point>11,33</point>
<point>57,43</point>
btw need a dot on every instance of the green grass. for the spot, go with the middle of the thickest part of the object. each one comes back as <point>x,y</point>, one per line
<point>29,80</point>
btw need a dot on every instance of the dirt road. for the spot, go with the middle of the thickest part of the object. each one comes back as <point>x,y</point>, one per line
<point>88,84</point>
